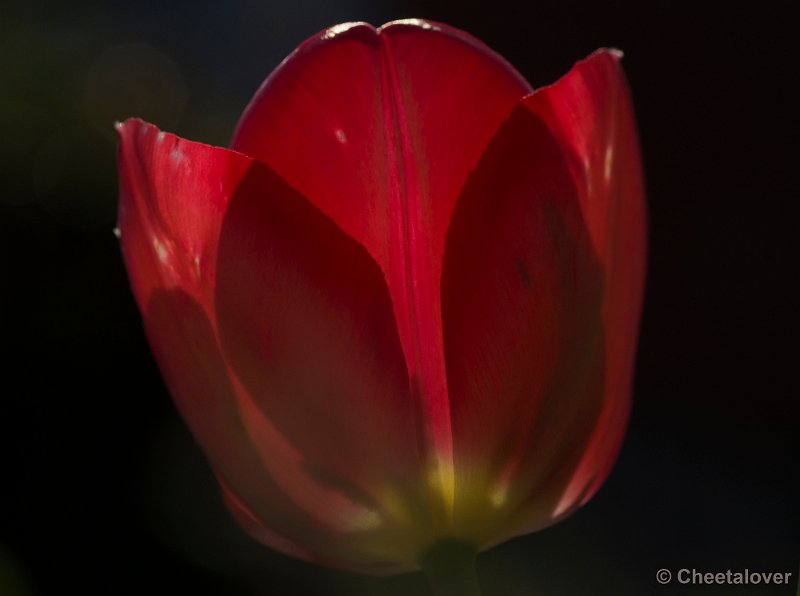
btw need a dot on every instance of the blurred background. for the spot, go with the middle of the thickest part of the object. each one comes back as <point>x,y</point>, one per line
<point>104,491</point>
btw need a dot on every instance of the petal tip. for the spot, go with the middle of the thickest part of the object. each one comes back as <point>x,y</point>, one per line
<point>130,126</point>
<point>337,30</point>
<point>417,23</point>
<point>616,53</point>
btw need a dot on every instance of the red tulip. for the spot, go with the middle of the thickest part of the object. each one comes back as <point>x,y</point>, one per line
<point>403,306</point>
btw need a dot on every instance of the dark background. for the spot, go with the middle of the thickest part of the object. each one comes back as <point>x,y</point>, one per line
<point>103,490</point>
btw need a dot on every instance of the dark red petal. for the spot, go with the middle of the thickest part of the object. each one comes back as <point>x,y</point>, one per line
<point>521,299</point>
<point>379,129</point>
<point>306,325</point>
<point>590,113</point>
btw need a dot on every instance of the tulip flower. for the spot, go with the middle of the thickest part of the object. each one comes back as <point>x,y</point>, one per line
<point>399,313</point>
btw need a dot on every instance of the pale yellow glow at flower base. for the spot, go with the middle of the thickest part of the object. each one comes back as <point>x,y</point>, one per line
<point>441,481</point>
<point>499,495</point>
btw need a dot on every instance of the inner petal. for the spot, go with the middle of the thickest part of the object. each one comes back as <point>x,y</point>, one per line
<point>380,129</point>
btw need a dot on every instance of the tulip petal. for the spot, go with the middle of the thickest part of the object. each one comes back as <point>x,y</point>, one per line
<point>184,345</point>
<point>379,129</point>
<point>315,474</point>
<point>589,111</point>
<point>332,558</point>
<point>521,298</point>
<point>306,324</point>
<point>356,112</point>
<point>272,498</point>
<point>173,194</point>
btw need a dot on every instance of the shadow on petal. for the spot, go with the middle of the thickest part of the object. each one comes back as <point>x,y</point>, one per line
<point>306,325</point>
<point>522,292</point>
<point>186,349</point>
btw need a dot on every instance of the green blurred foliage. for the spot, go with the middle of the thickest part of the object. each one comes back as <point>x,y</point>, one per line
<point>13,579</point>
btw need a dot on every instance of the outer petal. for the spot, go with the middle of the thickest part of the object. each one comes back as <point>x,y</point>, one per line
<point>521,292</point>
<point>172,197</point>
<point>379,129</point>
<point>310,453</point>
<point>589,111</point>
<point>173,194</point>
